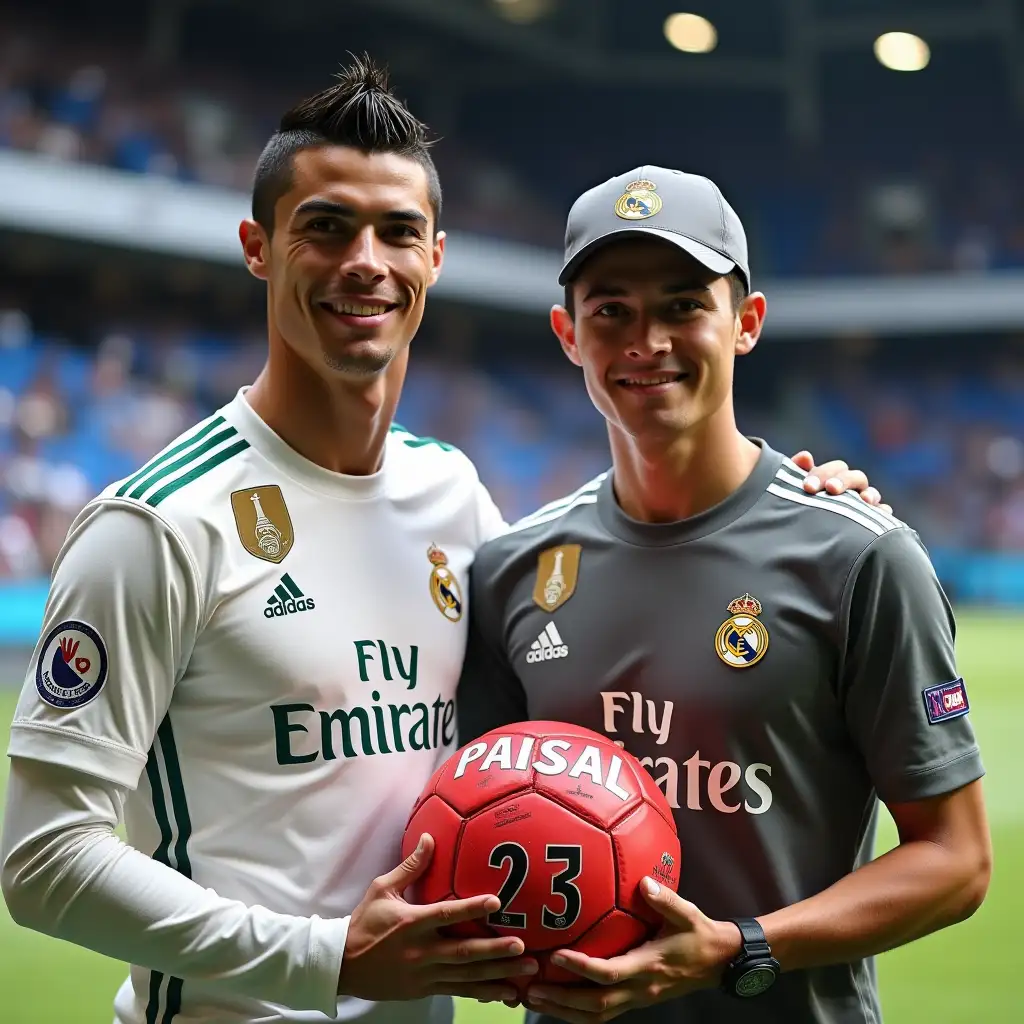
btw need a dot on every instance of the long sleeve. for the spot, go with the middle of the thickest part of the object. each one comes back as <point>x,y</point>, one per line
<point>122,616</point>
<point>67,874</point>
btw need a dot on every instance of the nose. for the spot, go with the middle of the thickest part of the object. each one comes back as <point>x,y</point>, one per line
<point>362,260</point>
<point>650,339</point>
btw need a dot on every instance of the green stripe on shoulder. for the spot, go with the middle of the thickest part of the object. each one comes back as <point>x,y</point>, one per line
<point>408,438</point>
<point>169,454</point>
<point>187,459</point>
<point>196,472</point>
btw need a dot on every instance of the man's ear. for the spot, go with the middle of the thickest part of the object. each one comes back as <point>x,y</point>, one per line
<point>438,258</point>
<point>255,248</point>
<point>565,330</point>
<point>751,316</point>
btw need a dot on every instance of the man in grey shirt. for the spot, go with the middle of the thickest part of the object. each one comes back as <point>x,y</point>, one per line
<point>780,661</point>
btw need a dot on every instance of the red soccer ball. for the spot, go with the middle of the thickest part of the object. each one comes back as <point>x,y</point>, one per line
<point>562,824</point>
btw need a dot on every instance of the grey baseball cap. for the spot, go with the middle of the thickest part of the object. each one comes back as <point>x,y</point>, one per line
<point>685,209</point>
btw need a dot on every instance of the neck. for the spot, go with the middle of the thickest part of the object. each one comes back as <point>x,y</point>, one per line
<point>667,480</point>
<point>339,425</point>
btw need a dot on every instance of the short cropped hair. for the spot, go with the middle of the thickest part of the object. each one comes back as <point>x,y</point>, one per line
<point>359,111</point>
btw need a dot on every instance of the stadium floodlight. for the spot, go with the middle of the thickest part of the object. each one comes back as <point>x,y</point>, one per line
<point>902,51</point>
<point>522,11</point>
<point>691,33</point>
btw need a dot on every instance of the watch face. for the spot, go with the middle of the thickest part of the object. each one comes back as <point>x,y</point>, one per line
<point>755,981</point>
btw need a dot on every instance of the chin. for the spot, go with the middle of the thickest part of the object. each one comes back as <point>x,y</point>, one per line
<point>360,358</point>
<point>362,366</point>
<point>665,424</point>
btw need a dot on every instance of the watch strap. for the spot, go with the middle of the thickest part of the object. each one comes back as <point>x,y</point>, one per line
<point>753,938</point>
<point>753,970</point>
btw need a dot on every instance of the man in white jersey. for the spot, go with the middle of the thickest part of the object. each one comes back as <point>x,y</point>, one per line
<point>251,646</point>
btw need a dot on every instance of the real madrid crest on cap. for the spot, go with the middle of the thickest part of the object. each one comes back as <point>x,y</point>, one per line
<point>264,525</point>
<point>444,587</point>
<point>742,639</point>
<point>72,666</point>
<point>639,201</point>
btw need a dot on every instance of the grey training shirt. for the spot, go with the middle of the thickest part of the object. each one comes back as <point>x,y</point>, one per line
<point>779,662</point>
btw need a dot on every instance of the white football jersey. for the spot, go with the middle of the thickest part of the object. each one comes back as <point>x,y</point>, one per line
<point>278,712</point>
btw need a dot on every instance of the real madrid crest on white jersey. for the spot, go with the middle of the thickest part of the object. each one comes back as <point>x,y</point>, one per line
<point>444,587</point>
<point>742,640</point>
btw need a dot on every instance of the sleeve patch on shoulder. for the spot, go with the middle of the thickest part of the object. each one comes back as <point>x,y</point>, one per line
<point>946,700</point>
<point>72,666</point>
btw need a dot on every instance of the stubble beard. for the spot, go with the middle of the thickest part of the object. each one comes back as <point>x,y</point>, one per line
<point>360,365</point>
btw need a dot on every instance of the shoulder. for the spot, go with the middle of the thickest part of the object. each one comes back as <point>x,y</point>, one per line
<point>427,458</point>
<point>561,521</point>
<point>840,525</point>
<point>120,552</point>
<point>898,559</point>
<point>185,490</point>
<point>854,546</point>
<point>428,472</point>
<point>177,482</point>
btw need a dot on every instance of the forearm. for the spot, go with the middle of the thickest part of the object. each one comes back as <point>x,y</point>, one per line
<point>66,874</point>
<point>914,889</point>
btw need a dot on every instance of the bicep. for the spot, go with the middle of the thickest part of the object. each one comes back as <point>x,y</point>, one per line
<point>957,821</point>
<point>120,619</point>
<point>956,818</point>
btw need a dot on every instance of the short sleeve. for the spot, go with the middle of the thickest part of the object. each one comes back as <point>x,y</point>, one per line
<point>490,694</point>
<point>904,701</point>
<point>119,625</point>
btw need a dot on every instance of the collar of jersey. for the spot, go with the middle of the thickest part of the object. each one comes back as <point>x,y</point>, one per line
<point>289,462</point>
<point>701,525</point>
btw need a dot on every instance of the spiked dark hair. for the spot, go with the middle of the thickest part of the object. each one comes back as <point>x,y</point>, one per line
<point>359,111</point>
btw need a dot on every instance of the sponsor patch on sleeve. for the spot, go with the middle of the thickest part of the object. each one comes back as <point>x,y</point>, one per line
<point>946,700</point>
<point>72,666</point>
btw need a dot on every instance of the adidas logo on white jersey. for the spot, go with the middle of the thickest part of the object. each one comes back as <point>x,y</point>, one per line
<point>547,646</point>
<point>287,599</point>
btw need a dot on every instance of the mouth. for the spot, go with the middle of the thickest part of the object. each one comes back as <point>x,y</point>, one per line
<point>359,312</point>
<point>652,383</point>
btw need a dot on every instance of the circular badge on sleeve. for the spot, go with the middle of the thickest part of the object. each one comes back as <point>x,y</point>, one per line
<point>72,666</point>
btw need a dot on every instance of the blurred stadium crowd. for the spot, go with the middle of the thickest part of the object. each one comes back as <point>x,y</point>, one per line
<point>938,426</point>
<point>843,212</point>
<point>943,443</point>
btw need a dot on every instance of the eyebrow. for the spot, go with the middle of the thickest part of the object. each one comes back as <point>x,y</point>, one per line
<point>340,210</point>
<point>610,291</point>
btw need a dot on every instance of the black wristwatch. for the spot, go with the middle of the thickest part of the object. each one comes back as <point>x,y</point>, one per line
<point>754,970</point>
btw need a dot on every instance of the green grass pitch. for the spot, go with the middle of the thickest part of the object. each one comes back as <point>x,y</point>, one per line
<point>964,975</point>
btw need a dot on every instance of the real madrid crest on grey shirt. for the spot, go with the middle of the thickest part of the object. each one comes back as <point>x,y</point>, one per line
<point>777,662</point>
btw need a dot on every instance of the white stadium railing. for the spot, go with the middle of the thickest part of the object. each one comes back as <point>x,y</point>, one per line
<point>77,201</point>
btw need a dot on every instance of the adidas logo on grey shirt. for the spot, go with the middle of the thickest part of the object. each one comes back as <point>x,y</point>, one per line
<point>547,646</point>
